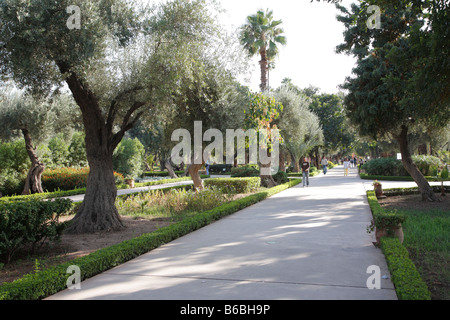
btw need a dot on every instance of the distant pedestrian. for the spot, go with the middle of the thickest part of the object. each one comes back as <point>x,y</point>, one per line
<point>207,167</point>
<point>346,166</point>
<point>305,172</point>
<point>325,165</point>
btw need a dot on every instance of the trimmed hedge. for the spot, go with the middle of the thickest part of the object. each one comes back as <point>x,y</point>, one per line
<point>396,178</point>
<point>52,280</point>
<point>235,185</point>
<point>381,218</point>
<point>407,280</point>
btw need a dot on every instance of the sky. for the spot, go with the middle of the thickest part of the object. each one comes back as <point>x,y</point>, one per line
<point>312,33</point>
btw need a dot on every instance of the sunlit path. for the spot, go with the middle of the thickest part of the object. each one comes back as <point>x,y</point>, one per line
<point>304,243</point>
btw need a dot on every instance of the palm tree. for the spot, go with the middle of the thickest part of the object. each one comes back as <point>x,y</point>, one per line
<point>261,34</point>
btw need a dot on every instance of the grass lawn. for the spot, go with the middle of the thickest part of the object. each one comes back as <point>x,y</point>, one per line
<point>428,242</point>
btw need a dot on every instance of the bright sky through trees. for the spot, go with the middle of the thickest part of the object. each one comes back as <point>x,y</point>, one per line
<point>312,32</point>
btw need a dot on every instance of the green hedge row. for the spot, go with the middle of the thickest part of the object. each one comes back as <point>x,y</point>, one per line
<point>235,185</point>
<point>160,173</point>
<point>60,194</point>
<point>52,280</point>
<point>407,280</point>
<point>383,219</point>
<point>365,176</point>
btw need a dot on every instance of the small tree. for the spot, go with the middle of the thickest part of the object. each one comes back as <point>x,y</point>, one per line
<point>34,120</point>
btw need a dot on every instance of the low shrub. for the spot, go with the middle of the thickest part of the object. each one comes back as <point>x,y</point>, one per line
<point>28,223</point>
<point>69,178</point>
<point>245,171</point>
<point>385,167</point>
<point>235,185</point>
<point>382,219</point>
<point>407,280</point>
<point>11,182</point>
<point>281,177</point>
<point>220,168</point>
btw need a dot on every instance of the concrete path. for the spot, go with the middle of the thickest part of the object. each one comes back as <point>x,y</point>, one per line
<point>302,244</point>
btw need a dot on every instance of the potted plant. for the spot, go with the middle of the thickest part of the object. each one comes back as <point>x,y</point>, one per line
<point>378,188</point>
<point>387,225</point>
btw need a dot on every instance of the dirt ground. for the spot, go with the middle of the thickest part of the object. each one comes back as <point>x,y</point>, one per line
<point>414,202</point>
<point>74,246</point>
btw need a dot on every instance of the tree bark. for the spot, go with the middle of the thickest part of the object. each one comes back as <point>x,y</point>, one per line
<point>193,170</point>
<point>33,182</point>
<point>169,168</point>
<point>264,66</point>
<point>98,211</point>
<point>424,187</point>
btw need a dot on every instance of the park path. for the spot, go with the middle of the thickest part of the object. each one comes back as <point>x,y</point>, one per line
<point>301,244</point>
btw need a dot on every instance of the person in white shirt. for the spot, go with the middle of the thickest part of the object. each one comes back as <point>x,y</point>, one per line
<point>346,166</point>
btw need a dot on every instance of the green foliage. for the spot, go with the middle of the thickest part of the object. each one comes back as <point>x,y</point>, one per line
<point>52,280</point>
<point>388,220</point>
<point>407,280</point>
<point>394,167</point>
<point>444,173</point>
<point>11,182</point>
<point>281,177</point>
<point>77,151</point>
<point>59,150</point>
<point>235,185</point>
<point>245,171</point>
<point>13,155</point>
<point>69,179</point>
<point>385,167</point>
<point>129,158</point>
<point>427,164</point>
<point>28,223</point>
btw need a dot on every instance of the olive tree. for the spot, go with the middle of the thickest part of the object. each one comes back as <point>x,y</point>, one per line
<point>118,59</point>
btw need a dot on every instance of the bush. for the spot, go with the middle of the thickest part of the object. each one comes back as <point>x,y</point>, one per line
<point>235,185</point>
<point>249,170</point>
<point>220,168</point>
<point>13,156</point>
<point>385,167</point>
<point>428,165</point>
<point>11,182</point>
<point>281,177</point>
<point>28,223</point>
<point>129,158</point>
<point>59,151</point>
<point>69,179</point>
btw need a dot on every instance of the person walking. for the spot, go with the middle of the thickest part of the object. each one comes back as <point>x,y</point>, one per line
<point>346,166</point>
<point>305,172</point>
<point>325,165</point>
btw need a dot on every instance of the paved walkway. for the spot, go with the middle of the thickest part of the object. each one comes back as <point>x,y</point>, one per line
<point>302,244</point>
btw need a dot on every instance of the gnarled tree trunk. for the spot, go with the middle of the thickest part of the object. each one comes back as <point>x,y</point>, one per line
<point>193,170</point>
<point>424,187</point>
<point>33,182</point>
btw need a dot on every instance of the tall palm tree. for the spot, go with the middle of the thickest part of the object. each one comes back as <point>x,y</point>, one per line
<point>261,35</point>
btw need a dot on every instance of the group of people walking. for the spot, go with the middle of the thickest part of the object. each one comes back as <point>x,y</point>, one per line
<point>348,163</point>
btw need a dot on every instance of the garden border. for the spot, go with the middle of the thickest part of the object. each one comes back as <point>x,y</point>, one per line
<point>408,283</point>
<point>50,281</point>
